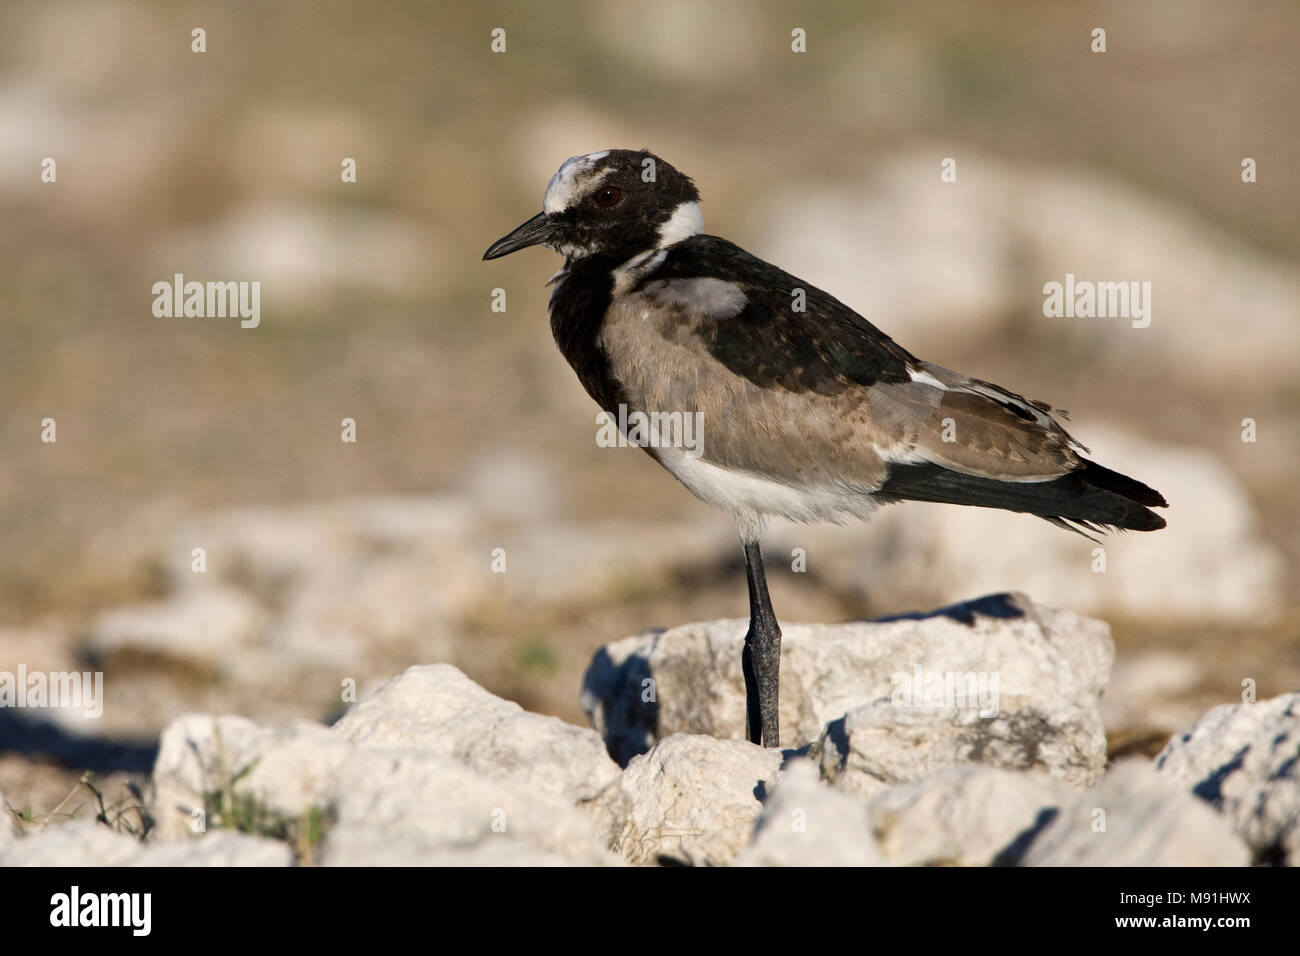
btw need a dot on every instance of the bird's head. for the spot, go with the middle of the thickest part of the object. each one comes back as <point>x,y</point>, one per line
<point>616,203</point>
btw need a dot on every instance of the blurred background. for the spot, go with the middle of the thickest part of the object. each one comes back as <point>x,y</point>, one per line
<point>330,561</point>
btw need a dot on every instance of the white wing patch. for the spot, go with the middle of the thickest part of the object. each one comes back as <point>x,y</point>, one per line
<point>716,298</point>
<point>899,454</point>
<point>925,378</point>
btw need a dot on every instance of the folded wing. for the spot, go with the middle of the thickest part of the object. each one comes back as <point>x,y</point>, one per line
<point>837,401</point>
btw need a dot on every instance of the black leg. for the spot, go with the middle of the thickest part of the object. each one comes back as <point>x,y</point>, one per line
<point>761,661</point>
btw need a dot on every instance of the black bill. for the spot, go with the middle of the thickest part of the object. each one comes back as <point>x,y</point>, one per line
<point>532,233</point>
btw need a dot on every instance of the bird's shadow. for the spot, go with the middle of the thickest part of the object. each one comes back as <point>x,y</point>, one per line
<point>43,739</point>
<point>1003,606</point>
<point>630,689</point>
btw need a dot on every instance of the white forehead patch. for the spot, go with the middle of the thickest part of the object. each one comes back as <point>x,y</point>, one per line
<point>562,190</point>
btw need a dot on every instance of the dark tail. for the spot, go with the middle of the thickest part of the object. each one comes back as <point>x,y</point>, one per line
<point>1093,497</point>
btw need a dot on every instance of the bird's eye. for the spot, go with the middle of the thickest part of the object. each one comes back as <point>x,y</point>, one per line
<point>607,196</point>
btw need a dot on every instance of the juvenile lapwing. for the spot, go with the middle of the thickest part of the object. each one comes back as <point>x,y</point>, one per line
<point>808,411</point>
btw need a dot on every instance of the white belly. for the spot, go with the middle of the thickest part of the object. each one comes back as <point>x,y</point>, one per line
<point>751,499</point>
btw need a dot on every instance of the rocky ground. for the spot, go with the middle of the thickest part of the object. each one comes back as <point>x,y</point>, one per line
<point>430,768</point>
<point>248,715</point>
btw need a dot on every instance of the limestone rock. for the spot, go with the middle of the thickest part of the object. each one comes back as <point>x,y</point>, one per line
<point>204,625</point>
<point>87,843</point>
<point>438,710</point>
<point>210,766</point>
<point>806,823</point>
<point>962,816</point>
<point>694,799</point>
<point>388,798</point>
<point>77,843</point>
<point>1048,668</point>
<point>216,848</point>
<point>1244,760</point>
<point>1135,818</point>
<point>431,762</point>
<point>879,744</point>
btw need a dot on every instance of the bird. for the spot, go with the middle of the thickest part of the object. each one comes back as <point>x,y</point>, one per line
<point>807,411</point>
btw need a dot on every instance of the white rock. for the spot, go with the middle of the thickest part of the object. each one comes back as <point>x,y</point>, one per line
<point>87,843</point>
<point>269,549</point>
<point>431,761</point>
<point>1135,818</point>
<point>205,625</point>
<point>387,798</point>
<point>1050,666</point>
<point>286,771</point>
<point>436,709</point>
<point>806,823</point>
<point>342,612</point>
<point>346,577</point>
<point>343,576</point>
<point>1244,760</point>
<point>694,799</point>
<point>879,745</point>
<point>963,816</point>
<point>356,846</point>
<point>216,848</point>
<point>77,843</point>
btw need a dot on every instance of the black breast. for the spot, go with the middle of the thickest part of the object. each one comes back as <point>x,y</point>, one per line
<point>578,308</point>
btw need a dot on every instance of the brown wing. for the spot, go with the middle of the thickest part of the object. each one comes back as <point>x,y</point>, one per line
<point>972,426</point>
